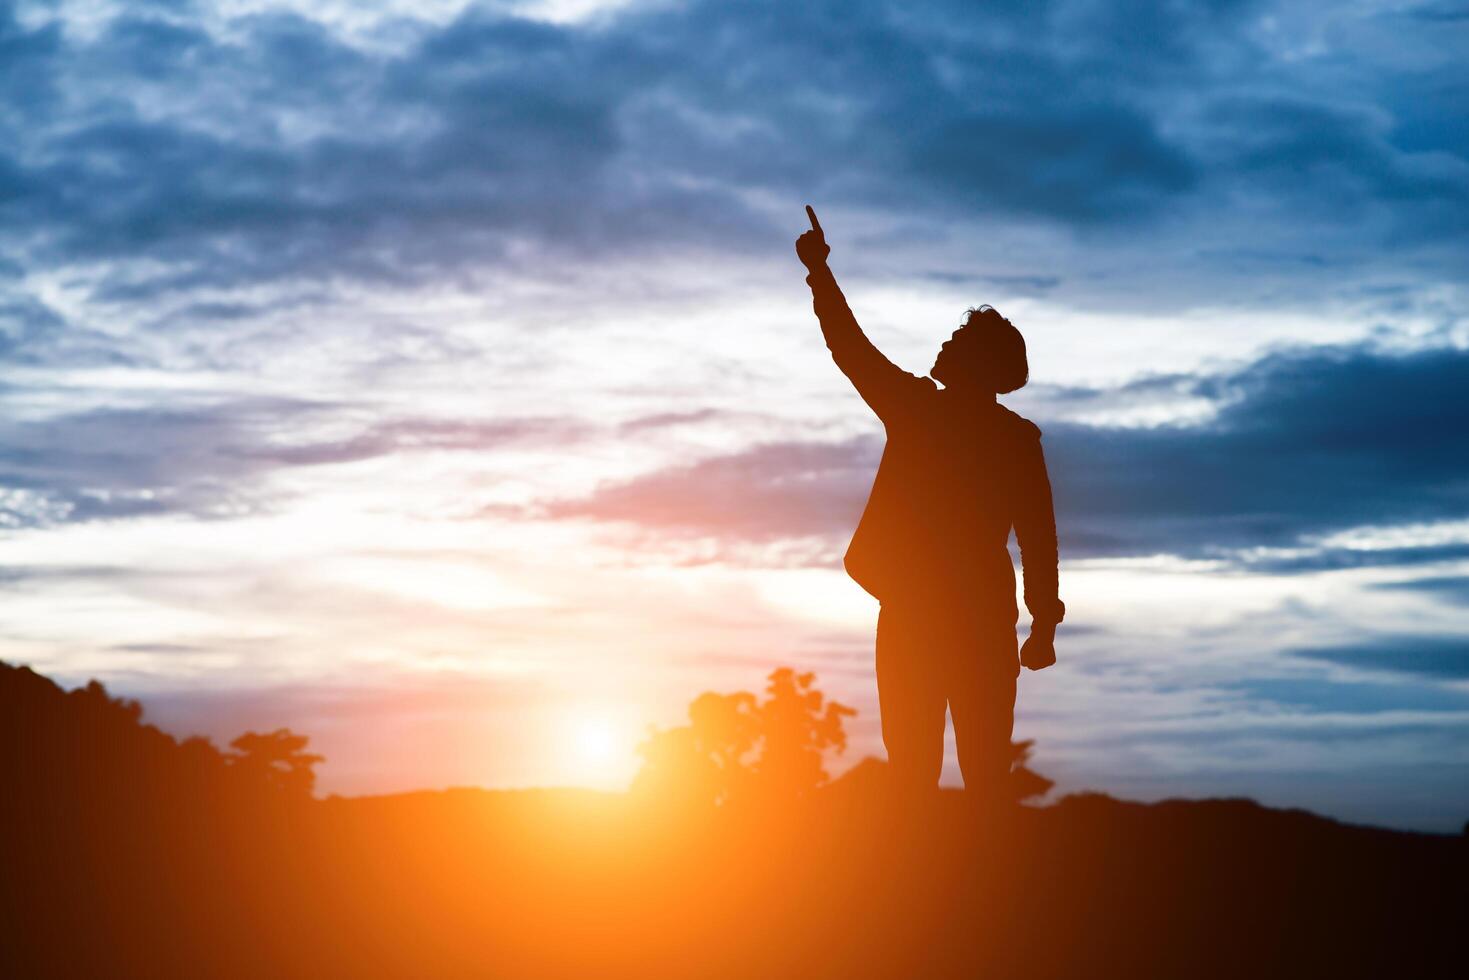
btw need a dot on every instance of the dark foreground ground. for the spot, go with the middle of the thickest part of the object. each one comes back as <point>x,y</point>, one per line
<point>470,883</point>
<point>125,854</point>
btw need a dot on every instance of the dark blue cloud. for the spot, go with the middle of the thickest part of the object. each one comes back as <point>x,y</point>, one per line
<point>1304,442</point>
<point>171,158</point>
<point>1326,559</point>
<point>1442,12</point>
<point>1446,658</point>
<point>26,326</point>
<point>1077,163</point>
<point>27,88</point>
<point>1316,694</point>
<point>1449,589</point>
<point>286,152</point>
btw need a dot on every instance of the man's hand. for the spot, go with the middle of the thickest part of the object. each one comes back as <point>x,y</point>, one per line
<point>811,247</point>
<point>1039,651</point>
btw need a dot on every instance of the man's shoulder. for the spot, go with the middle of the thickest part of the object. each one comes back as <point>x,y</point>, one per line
<point>1021,425</point>
<point>909,402</point>
<point>918,392</point>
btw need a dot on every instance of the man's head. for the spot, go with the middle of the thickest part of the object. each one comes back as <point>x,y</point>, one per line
<point>987,354</point>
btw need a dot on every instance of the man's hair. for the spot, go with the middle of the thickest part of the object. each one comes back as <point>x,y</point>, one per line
<point>998,346</point>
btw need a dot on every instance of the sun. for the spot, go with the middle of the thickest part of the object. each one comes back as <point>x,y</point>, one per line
<point>595,741</point>
<point>598,747</point>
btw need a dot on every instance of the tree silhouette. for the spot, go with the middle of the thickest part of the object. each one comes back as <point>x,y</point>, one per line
<point>798,725</point>
<point>709,760</point>
<point>702,762</point>
<point>278,758</point>
<point>738,746</point>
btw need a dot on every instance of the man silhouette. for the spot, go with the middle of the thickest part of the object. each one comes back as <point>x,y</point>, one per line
<point>958,472</point>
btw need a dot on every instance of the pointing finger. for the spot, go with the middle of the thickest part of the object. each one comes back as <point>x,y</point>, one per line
<point>815,225</point>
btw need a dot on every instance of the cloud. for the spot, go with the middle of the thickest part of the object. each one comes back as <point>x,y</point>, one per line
<point>128,462</point>
<point>1450,589</point>
<point>33,333</point>
<point>1304,441</point>
<point>166,151</point>
<point>1439,13</point>
<point>1316,558</point>
<point>668,420</point>
<point>1441,657</point>
<point>768,492</point>
<point>212,460</point>
<point>1317,694</point>
<point>1301,443</point>
<point>17,576</point>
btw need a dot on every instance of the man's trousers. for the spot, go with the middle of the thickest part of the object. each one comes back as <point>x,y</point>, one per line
<point>931,659</point>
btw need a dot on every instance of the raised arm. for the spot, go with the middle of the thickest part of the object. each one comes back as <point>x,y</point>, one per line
<point>1035,532</point>
<point>884,386</point>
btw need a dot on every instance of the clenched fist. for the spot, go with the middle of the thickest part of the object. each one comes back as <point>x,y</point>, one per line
<point>1039,651</point>
<point>811,247</point>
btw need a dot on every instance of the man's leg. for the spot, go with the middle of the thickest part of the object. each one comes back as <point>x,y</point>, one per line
<point>983,669</point>
<point>910,694</point>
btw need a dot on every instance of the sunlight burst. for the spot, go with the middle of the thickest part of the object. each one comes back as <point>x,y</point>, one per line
<point>596,741</point>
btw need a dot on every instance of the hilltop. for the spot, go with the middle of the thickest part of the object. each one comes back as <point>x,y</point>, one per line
<point>129,853</point>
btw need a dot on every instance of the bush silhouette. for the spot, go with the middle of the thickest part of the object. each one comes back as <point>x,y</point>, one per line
<point>86,743</point>
<point>277,758</point>
<point>736,746</point>
<point>1026,783</point>
<point>798,726</point>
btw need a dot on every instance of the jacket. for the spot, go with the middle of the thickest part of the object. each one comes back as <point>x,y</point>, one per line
<point>957,474</point>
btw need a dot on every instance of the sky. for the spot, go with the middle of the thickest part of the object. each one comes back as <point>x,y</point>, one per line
<point>438,379</point>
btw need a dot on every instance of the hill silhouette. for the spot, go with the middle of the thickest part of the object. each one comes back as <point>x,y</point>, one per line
<point>130,853</point>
